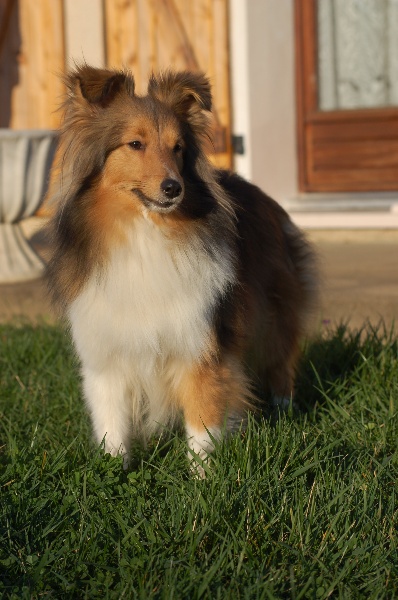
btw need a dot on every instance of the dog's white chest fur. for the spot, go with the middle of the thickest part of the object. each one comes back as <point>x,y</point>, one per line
<point>154,301</point>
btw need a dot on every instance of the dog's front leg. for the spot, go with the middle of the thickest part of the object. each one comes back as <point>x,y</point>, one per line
<point>108,400</point>
<point>209,393</point>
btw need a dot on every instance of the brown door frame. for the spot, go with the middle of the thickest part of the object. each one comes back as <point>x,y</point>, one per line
<point>339,150</point>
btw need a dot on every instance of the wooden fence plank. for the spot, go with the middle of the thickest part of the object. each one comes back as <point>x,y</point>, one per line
<point>54,59</point>
<point>9,55</point>
<point>30,64</point>
<point>121,31</point>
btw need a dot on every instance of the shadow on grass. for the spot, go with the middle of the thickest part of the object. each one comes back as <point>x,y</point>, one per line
<point>337,357</point>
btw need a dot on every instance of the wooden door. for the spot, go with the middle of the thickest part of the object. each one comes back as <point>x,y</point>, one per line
<point>348,149</point>
<point>151,35</point>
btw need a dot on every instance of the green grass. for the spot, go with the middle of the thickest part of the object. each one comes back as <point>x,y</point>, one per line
<point>299,506</point>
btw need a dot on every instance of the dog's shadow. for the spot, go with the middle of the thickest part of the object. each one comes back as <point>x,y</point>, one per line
<point>334,359</point>
<point>329,363</point>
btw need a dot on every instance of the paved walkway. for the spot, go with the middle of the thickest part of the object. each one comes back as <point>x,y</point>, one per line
<point>359,280</point>
<point>359,276</point>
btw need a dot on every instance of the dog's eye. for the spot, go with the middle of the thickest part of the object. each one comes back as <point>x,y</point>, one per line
<point>136,145</point>
<point>177,148</point>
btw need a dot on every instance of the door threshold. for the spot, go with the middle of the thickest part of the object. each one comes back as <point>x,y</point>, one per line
<point>346,219</point>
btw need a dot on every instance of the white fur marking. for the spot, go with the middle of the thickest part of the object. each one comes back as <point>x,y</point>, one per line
<point>137,323</point>
<point>201,443</point>
<point>108,403</point>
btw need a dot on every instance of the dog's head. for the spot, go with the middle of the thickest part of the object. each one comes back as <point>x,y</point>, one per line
<point>133,145</point>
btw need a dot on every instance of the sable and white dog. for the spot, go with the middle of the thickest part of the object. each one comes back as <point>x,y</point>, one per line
<point>183,284</point>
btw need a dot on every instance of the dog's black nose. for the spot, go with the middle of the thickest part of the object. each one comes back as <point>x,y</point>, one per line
<point>171,188</point>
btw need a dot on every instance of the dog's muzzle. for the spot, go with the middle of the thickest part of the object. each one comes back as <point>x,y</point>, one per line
<point>170,196</point>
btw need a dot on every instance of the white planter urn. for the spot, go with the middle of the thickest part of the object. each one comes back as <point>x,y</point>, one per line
<point>25,161</point>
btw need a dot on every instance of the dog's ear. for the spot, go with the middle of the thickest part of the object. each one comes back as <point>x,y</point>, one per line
<point>188,94</point>
<point>99,86</point>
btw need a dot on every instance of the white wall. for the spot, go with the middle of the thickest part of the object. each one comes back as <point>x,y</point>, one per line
<point>263,93</point>
<point>240,84</point>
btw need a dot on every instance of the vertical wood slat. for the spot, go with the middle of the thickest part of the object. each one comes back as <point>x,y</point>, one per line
<point>181,51</point>
<point>6,9</point>
<point>121,19</point>
<point>147,40</point>
<point>55,57</point>
<point>30,64</point>
<point>9,51</point>
<point>121,46</point>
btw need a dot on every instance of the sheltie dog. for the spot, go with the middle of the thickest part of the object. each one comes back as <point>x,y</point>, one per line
<point>185,286</point>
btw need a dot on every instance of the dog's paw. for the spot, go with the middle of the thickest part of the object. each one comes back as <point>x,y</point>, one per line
<point>284,403</point>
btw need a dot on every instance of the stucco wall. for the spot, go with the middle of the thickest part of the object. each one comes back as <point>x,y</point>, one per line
<point>263,93</point>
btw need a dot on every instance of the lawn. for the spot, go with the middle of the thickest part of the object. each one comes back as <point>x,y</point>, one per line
<point>300,505</point>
